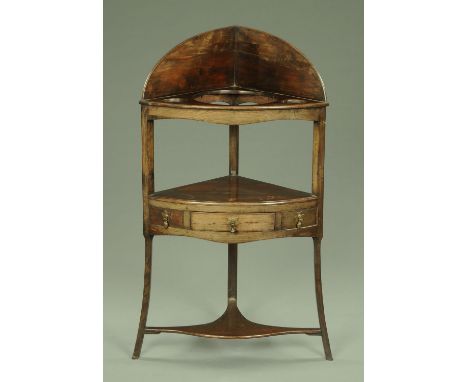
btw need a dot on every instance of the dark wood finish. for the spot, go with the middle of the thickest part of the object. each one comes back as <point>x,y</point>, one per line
<point>226,322</point>
<point>233,76</point>
<point>232,325</point>
<point>268,63</point>
<point>201,62</point>
<point>232,274</point>
<point>232,189</point>
<point>234,99</point>
<point>234,57</point>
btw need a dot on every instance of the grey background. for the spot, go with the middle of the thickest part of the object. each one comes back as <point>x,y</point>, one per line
<point>276,276</point>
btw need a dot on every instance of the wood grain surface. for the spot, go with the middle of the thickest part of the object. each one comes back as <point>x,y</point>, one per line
<point>233,76</point>
<point>234,57</point>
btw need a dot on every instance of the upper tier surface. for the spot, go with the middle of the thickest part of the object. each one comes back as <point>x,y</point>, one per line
<point>230,58</point>
<point>232,189</point>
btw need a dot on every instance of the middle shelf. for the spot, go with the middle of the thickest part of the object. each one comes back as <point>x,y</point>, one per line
<point>233,209</point>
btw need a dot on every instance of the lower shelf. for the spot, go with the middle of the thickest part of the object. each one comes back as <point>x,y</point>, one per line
<point>232,325</point>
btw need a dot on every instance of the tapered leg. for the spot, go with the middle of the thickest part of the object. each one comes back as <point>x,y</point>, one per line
<point>146,296</point>
<point>319,297</point>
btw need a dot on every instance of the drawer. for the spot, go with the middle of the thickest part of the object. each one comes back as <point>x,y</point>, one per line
<point>228,222</point>
<point>291,219</point>
<point>174,218</point>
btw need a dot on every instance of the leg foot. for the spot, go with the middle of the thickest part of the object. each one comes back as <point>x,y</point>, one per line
<point>319,297</point>
<point>146,296</point>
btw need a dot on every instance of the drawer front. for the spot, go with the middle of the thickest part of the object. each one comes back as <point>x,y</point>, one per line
<point>225,222</point>
<point>173,218</point>
<point>299,218</point>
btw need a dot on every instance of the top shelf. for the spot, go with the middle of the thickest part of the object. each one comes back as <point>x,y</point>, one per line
<point>234,99</point>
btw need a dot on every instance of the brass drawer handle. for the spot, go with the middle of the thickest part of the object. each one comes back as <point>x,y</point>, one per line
<point>233,224</point>
<point>300,219</point>
<point>165,217</point>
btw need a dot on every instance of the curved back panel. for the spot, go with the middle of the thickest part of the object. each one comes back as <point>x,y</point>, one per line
<point>234,57</point>
<point>267,63</point>
<point>203,62</point>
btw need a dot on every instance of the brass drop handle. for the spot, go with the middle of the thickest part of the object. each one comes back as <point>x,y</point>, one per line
<point>165,217</point>
<point>300,219</point>
<point>233,225</point>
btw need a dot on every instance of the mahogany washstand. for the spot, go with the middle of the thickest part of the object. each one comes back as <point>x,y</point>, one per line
<point>233,76</point>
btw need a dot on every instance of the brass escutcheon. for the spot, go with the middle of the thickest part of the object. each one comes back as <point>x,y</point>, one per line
<point>300,219</point>
<point>165,217</point>
<point>233,224</point>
